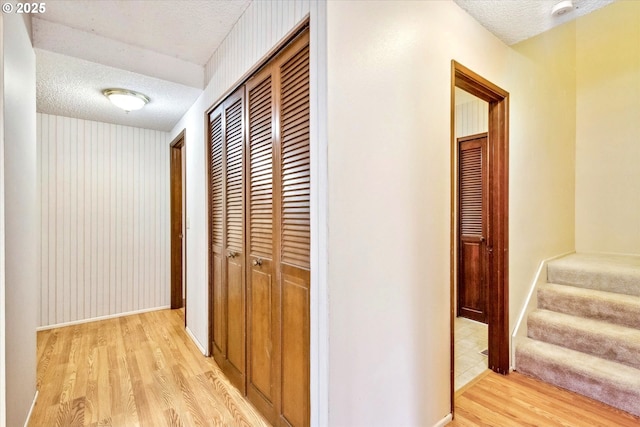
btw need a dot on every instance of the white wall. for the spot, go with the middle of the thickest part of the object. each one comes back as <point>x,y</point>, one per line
<point>3,364</point>
<point>389,77</point>
<point>20,220</point>
<point>608,130</point>
<point>104,219</point>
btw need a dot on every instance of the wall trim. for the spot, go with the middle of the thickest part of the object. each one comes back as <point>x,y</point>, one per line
<point>196,342</point>
<point>33,404</point>
<point>443,422</point>
<point>97,319</point>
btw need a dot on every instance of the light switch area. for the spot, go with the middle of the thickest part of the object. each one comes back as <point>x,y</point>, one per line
<point>188,223</point>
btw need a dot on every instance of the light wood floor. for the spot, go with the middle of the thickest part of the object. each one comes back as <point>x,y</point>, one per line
<point>140,370</point>
<point>517,400</point>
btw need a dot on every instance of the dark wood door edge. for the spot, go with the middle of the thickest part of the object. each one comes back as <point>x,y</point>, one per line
<point>176,215</point>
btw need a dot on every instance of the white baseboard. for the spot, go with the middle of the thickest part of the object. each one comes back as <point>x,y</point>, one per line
<point>443,422</point>
<point>196,342</point>
<point>33,404</point>
<point>96,319</point>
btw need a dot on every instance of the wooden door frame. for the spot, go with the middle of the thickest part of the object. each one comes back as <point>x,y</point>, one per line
<point>176,146</point>
<point>498,240</point>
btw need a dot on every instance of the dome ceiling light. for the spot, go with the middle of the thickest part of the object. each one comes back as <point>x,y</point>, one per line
<point>128,100</point>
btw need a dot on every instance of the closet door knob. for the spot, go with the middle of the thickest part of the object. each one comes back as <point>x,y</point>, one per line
<point>232,254</point>
<point>257,262</point>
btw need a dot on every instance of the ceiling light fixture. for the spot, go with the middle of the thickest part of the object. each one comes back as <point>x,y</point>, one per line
<point>562,8</point>
<point>128,100</point>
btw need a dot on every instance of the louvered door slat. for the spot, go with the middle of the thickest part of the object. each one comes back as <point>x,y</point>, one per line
<point>234,175</point>
<point>216,181</point>
<point>471,191</point>
<point>296,181</point>
<point>261,169</point>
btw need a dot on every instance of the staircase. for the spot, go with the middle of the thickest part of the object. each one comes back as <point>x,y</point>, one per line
<point>585,334</point>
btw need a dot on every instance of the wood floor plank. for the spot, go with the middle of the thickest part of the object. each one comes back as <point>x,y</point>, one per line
<point>135,371</point>
<point>516,400</point>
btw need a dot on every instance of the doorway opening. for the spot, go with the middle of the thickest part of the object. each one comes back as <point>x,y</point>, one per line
<point>178,252</point>
<point>479,212</point>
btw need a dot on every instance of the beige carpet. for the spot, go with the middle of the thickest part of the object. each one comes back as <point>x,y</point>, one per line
<point>585,334</point>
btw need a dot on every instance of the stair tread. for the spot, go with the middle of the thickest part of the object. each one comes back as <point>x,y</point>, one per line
<point>584,324</point>
<point>606,306</point>
<point>613,273</point>
<point>596,293</point>
<point>599,338</point>
<point>583,364</point>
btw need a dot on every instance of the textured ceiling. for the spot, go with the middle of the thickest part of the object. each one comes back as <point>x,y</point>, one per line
<point>73,87</point>
<point>190,30</point>
<point>158,48</point>
<point>513,21</point>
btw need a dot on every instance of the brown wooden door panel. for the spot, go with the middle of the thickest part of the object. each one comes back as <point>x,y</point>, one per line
<point>261,332</point>
<point>473,209</point>
<point>295,346</point>
<point>235,301</point>
<point>219,318</point>
<point>472,298</point>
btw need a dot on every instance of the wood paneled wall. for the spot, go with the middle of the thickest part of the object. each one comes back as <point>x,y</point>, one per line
<point>104,195</point>
<point>261,27</point>
<point>472,117</point>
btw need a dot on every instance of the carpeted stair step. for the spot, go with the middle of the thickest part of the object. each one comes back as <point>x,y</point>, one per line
<point>613,383</point>
<point>611,273</point>
<point>606,306</point>
<point>608,341</point>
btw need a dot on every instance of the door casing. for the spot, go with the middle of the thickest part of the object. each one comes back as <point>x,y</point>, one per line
<point>498,241</point>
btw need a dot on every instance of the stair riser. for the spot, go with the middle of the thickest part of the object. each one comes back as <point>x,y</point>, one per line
<point>619,349</point>
<point>619,397</point>
<point>617,313</point>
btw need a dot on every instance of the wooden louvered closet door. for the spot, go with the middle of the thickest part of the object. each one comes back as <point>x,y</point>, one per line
<point>472,208</point>
<point>273,257</point>
<point>294,201</point>
<point>279,237</point>
<point>227,237</point>
<point>263,293</point>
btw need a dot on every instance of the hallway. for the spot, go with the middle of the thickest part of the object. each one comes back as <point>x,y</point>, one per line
<point>139,370</point>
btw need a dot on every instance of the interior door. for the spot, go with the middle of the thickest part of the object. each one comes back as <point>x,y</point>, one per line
<point>234,238</point>
<point>227,237</point>
<point>176,223</point>
<point>472,222</point>
<point>263,294</point>
<point>217,268</point>
<point>295,237</point>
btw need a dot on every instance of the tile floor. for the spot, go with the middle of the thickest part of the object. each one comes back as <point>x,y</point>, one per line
<point>471,339</point>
